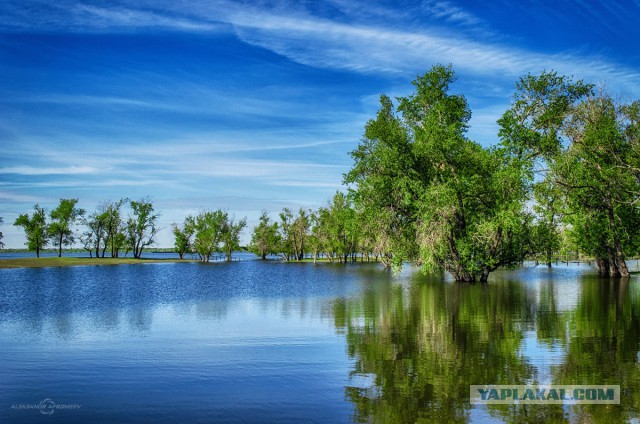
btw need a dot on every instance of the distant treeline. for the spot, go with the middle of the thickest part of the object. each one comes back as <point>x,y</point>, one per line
<point>106,229</point>
<point>564,172</point>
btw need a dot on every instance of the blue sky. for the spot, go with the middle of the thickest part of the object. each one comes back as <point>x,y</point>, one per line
<point>255,105</point>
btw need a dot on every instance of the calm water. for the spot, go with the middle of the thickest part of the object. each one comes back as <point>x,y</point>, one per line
<point>270,342</point>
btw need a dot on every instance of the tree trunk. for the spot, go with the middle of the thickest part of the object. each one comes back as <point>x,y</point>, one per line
<point>613,266</point>
<point>485,275</point>
<point>623,270</point>
<point>603,266</point>
<point>60,246</point>
<point>616,256</point>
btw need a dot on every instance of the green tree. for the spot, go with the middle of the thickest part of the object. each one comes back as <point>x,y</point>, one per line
<point>586,146</point>
<point>62,220</point>
<point>209,227</point>
<point>449,203</point>
<point>320,237</point>
<point>231,236</point>
<point>548,209</point>
<point>114,223</point>
<point>389,179</point>
<point>596,184</point>
<point>142,226</point>
<point>265,239</point>
<point>35,229</point>
<point>182,236</point>
<point>94,238</point>
<point>293,233</point>
<point>338,225</point>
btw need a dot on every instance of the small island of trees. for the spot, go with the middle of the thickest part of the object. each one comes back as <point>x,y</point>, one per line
<point>565,169</point>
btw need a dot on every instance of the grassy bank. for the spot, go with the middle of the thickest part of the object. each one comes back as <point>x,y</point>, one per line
<point>60,262</point>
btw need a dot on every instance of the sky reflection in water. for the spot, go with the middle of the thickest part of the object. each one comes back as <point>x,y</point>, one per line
<point>271,342</point>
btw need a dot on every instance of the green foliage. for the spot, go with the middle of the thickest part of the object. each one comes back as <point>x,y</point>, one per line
<point>435,196</point>
<point>141,226</point>
<point>294,232</point>
<point>389,179</point>
<point>265,239</point>
<point>533,124</point>
<point>106,229</point>
<point>62,219</point>
<point>231,236</point>
<point>182,237</point>
<point>115,238</point>
<point>35,229</point>
<point>581,151</point>
<point>208,227</point>
<point>336,230</point>
<point>548,209</point>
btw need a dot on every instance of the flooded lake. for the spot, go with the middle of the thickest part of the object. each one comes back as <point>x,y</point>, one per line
<point>256,342</point>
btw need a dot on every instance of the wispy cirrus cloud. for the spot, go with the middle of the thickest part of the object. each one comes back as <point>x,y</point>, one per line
<point>372,49</point>
<point>34,170</point>
<point>397,46</point>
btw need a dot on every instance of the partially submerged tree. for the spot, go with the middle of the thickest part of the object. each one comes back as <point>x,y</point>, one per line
<point>448,202</point>
<point>209,227</point>
<point>35,229</point>
<point>337,229</point>
<point>294,232</point>
<point>62,220</point>
<point>265,239</point>
<point>231,236</point>
<point>586,146</point>
<point>388,179</point>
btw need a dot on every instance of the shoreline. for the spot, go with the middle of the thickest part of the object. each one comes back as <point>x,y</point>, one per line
<point>56,262</point>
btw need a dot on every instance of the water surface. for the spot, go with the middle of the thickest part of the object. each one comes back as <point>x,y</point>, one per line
<point>271,342</point>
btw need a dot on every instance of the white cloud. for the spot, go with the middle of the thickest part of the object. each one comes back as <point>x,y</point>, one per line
<point>9,196</point>
<point>362,48</point>
<point>32,170</point>
<point>368,45</point>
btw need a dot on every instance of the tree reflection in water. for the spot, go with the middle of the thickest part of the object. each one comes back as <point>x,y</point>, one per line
<point>424,343</point>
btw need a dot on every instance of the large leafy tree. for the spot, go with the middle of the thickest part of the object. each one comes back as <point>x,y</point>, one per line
<point>142,226</point>
<point>35,229</point>
<point>62,220</point>
<point>585,146</point>
<point>388,179</point>
<point>449,203</point>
